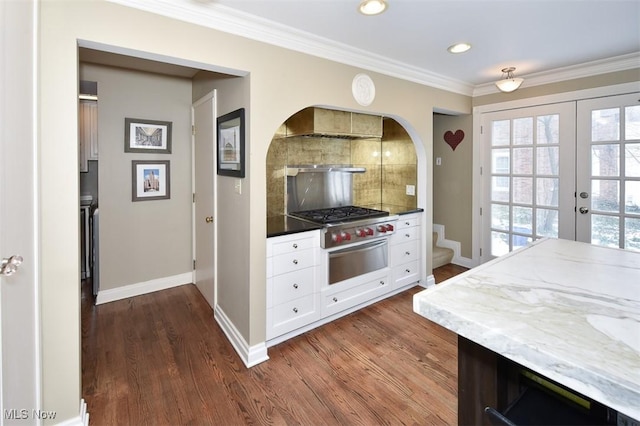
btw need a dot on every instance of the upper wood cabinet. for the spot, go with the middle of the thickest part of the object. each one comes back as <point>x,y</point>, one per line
<point>88,132</point>
<point>327,122</point>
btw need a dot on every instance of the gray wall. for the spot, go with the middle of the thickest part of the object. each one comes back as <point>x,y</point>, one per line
<point>232,209</point>
<point>144,240</point>
<point>452,180</point>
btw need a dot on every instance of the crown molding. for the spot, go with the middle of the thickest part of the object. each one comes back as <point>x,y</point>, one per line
<point>235,22</point>
<point>232,21</point>
<point>587,69</point>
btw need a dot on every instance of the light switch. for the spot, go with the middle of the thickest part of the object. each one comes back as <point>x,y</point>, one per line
<point>438,161</point>
<point>238,186</point>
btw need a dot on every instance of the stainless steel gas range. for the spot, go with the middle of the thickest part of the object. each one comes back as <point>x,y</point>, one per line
<point>355,237</point>
<point>349,224</point>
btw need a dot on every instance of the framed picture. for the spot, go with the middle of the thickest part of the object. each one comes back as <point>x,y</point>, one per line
<point>231,144</point>
<point>150,136</point>
<point>150,180</point>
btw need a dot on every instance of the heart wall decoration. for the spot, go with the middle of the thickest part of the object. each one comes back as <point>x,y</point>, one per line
<point>453,139</point>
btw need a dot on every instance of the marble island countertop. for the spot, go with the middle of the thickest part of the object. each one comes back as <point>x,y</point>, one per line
<point>569,311</point>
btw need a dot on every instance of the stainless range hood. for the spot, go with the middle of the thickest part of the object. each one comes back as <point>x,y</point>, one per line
<point>328,123</point>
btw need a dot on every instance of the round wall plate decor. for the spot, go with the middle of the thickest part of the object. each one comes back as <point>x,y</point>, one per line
<point>363,89</point>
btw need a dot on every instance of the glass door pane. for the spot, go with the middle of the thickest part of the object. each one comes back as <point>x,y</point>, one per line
<point>608,171</point>
<point>529,184</point>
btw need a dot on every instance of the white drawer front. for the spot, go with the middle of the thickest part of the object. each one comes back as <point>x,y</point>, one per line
<point>404,252</point>
<point>293,246</point>
<point>407,222</point>
<point>406,273</point>
<point>295,261</point>
<point>404,235</point>
<point>334,303</point>
<point>291,315</point>
<point>293,285</point>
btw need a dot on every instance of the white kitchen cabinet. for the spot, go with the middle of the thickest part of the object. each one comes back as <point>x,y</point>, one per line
<point>88,132</point>
<point>349,293</point>
<point>299,296</point>
<point>292,287</point>
<point>405,251</point>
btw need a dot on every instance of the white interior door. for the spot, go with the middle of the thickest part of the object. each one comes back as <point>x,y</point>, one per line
<point>20,371</point>
<point>528,177</point>
<point>204,161</point>
<point>608,171</point>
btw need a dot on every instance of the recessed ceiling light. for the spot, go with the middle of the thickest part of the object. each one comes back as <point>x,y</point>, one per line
<point>459,48</point>
<point>372,7</point>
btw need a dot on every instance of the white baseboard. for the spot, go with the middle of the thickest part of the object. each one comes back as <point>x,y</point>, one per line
<point>250,355</point>
<point>80,420</point>
<point>124,292</point>
<point>453,245</point>
<point>429,282</point>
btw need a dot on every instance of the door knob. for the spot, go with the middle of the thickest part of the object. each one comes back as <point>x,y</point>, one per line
<point>584,195</point>
<point>9,266</point>
<point>208,219</point>
<point>583,210</point>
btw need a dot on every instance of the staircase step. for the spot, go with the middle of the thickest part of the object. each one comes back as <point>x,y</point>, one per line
<point>441,256</point>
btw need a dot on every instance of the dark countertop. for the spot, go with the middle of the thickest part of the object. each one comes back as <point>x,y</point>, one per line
<point>393,209</point>
<point>285,225</point>
<point>409,211</point>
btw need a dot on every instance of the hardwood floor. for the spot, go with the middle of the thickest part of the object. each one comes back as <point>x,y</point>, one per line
<point>447,271</point>
<point>161,359</point>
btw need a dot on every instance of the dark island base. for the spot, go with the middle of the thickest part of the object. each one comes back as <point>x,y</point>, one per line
<point>495,391</point>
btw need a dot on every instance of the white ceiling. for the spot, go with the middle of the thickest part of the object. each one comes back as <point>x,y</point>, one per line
<point>410,39</point>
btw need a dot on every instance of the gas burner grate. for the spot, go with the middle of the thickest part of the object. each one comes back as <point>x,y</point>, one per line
<point>338,214</point>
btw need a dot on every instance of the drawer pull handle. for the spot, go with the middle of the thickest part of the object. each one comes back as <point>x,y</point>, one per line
<point>381,282</point>
<point>335,299</point>
<point>295,245</point>
<point>407,223</point>
<point>407,235</point>
<point>295,286</point>
<point>295,261</point>
<point>408,271</point>
<point>407,253</point>
<point>295,310</point>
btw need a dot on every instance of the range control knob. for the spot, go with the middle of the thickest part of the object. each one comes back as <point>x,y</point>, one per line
<point>336,238</point>
<point>389,227</point>
<point>361,233</point>
<point>346,236</point>
<point>382,229</point>
<point>369,231</point>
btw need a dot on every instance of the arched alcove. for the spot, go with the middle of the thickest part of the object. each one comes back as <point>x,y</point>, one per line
<point>385,150</point>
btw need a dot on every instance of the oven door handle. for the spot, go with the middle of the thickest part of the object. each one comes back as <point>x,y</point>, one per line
<point>364,247</point>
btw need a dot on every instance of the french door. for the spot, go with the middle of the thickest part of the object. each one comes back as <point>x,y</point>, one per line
<point>608,170</point>
<point>528,177</point>
<point>569,170</point>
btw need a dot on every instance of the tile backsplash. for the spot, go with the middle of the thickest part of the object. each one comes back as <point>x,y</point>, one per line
<point>391,164</point>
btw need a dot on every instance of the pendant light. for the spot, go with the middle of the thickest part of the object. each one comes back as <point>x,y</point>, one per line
<point>372,7</point>
<point>508,83</point>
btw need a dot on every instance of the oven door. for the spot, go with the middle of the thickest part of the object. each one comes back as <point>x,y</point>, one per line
<point>358,260</point>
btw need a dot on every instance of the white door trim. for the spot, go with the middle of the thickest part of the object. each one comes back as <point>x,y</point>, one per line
<point>206,98</point>
<point>476,202</point>
<point>19,145</point>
